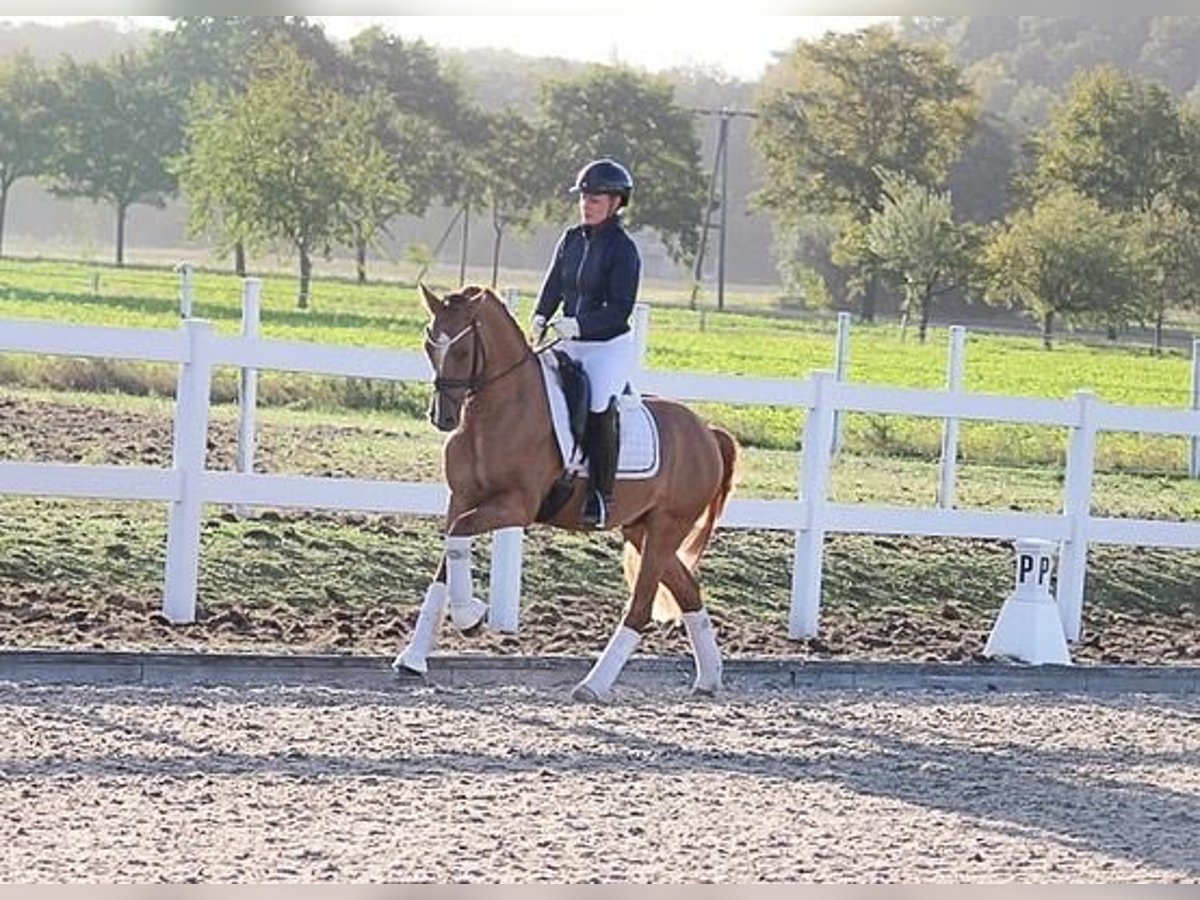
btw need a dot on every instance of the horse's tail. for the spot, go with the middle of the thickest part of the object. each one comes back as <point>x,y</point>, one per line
<point>696,542</point>
<point>666,609</point>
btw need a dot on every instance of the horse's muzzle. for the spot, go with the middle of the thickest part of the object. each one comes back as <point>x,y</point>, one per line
<point>444,414</point>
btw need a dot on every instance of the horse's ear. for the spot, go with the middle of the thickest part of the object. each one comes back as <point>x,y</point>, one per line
<point>432,301</point>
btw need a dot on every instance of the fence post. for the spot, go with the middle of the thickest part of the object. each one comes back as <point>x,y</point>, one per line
<point>641,331</point>
<point>1194,462</point>
<point>1077,507</point>
<point>841,361</point>
<point>954,383</point>
<point>504,590</point>
<point>248,381</point>
<point>188,462</point>
<point>810,540</point>
<point>512,300</point>
<point>186,290</point>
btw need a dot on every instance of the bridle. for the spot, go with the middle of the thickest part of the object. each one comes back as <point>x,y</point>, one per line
<point>475,380</point>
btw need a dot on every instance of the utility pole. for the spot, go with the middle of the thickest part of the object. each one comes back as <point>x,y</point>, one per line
<point>720,171</point>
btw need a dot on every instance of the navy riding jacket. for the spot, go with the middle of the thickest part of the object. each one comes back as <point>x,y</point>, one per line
<point>594,275</point>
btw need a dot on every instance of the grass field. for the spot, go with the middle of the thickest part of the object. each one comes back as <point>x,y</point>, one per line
<point>733,342</point>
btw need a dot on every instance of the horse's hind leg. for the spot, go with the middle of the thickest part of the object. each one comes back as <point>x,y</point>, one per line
<point>661,540</point>
<point>701,635</point>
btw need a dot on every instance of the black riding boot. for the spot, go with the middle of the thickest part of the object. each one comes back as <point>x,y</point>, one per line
<point>603,444</point>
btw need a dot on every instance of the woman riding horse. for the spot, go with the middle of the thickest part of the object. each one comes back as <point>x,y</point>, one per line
<point>502,460</point>
<point>594,278</point>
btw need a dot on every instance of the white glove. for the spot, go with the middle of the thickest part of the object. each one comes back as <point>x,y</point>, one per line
<point>567,328</point>
<point>538,327</point>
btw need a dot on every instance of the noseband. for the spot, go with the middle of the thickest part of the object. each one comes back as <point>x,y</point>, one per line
<point>475,380</point>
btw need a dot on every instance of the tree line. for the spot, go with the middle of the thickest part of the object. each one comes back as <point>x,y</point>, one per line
<point>276,136</point>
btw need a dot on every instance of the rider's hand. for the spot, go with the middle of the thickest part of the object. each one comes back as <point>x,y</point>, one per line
<point>567,328</point>
<point>537,327</point>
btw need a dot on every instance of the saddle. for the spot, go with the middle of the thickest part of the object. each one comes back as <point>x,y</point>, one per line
<point>569,390</point>
<point>578,393</point>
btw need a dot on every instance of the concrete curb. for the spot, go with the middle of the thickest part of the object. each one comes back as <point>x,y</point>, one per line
<point>476,670</point>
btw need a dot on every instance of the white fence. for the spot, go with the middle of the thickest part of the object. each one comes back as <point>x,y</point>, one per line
<point>187,486</point>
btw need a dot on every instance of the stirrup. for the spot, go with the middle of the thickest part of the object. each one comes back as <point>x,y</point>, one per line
<point>595,510</point>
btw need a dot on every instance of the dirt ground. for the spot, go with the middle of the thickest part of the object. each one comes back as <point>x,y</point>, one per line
<point>514,785</point>
<point>41,617</point>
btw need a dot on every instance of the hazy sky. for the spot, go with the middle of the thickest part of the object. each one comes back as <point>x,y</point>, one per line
<point>741,46</point>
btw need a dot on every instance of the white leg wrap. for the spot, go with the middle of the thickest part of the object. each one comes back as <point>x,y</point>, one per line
<point>703,638</point>
<point>465,611</point>
<point>604,673</point>
<point>424,635</point>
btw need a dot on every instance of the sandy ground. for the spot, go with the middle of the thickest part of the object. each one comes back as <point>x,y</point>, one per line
<point>515,785</point>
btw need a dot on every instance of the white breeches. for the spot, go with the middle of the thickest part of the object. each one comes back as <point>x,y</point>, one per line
<point>608,365</point>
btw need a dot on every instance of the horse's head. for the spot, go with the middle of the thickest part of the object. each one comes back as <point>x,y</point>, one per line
<point>469,332</point>
<point>455,351</point>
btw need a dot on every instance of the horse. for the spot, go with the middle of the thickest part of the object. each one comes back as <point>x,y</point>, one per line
<point>502,463</point>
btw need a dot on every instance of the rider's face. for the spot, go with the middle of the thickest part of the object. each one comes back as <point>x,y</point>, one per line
<point>595,208</point>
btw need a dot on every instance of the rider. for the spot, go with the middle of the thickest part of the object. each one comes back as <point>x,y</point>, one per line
<point>594,276</point>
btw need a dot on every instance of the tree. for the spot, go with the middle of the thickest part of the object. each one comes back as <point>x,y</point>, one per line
<point>374,190</point>
<point>508,184</point>
<point>1116,138</point>
<point>1167,240</point>
<point>836,111</point>
<point>286,162</point>
<point>115,130</point>
<point>1187,190</point>
<point>225,51</point>
<point>632,117</point>
<point>1169,54</point>
<point>217,55</point>
<point>213,178</point>
<point>918,245</point>
<point>27,97</point>
<point>1066,257</point>
<point>423,120</point>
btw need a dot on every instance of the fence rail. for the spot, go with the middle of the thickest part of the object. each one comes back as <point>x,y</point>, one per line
<point>188,486</point>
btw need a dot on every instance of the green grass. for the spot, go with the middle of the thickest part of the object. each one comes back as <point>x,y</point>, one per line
<point>681,339</point>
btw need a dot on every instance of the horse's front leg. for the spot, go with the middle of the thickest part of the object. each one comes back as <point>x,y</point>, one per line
<point>503,511</point>
<point>453,588</point>
<point>414,656</point>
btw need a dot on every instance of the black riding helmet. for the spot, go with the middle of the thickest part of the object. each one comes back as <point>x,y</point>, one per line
<point>604,176</point>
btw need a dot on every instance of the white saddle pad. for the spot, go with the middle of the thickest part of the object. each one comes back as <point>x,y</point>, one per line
<point>639,453</point>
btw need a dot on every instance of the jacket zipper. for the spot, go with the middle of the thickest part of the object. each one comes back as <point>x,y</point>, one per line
<point>587,245</point>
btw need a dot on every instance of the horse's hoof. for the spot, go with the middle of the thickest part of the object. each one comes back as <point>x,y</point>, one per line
<point>406,666</point>
<point>583,693</point>
<point>468,615</point>
<point>705,690</point>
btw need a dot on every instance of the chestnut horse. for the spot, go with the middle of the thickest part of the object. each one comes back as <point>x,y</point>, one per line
<point>501,461</point>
